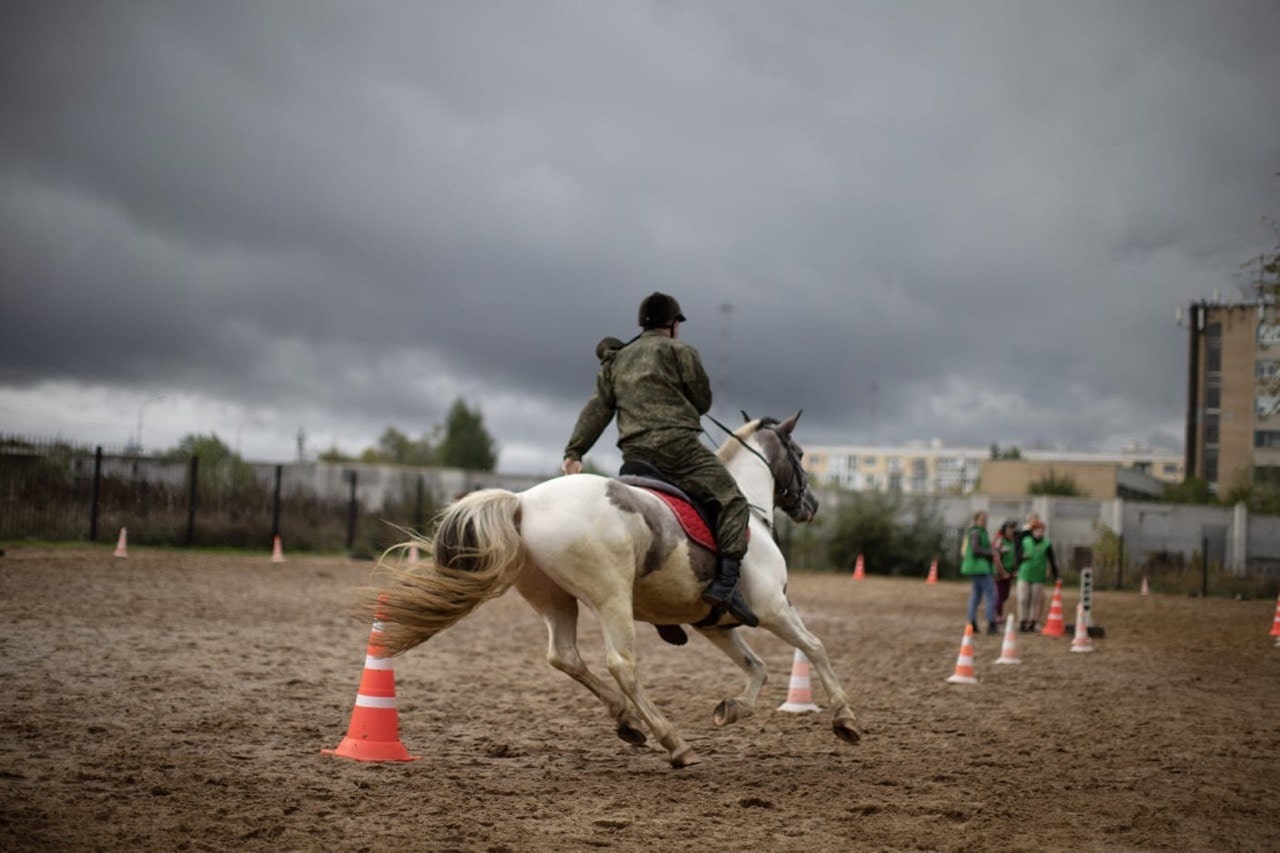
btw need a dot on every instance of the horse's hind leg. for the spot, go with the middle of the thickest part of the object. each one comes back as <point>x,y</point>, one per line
<point>792,629</point>
<point>560,611</point>
<point>735,647</point>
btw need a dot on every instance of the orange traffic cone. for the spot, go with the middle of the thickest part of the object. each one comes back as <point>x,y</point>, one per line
<point>1275,623</point>
<point>1146,590</point>
<point>374,732</point>
<point>1009,648</point>
<point>800,693</point>
<point>964,663</point>
<point>277,551</point>
<point>1054,626</point>
<point>933,572</point>
<point>859,569</point>
<point>122,544</point>
<point>1081,641</point>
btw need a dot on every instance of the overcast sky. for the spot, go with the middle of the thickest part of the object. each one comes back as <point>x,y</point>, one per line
<point>337,217</point>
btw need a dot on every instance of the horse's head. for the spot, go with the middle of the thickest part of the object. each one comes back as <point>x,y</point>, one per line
<point>790,482</point>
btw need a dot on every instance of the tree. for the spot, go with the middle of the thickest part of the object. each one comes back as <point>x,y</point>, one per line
<point>1192,490</point>
<point>1053,483</point>
<point>868,524</point>
<point>466,443</point>
<point>220,467</point>
<point>1011,453</point>
<point>398,449</point>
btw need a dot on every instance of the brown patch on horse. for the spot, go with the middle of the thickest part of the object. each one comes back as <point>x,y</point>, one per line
<point>665,532</point>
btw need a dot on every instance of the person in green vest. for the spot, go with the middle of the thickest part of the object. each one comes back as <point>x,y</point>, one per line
<point>1005,547</point>
<point>977,566</point>
<point>1036,559</point>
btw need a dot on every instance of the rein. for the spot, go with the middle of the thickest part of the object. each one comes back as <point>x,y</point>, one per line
<point>795,465</point>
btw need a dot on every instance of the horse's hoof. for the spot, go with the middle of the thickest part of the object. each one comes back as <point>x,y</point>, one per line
<point>729,711</point>
<point>685,758</point>
<point>725,713</point>
<point>632,735</point>
<point>846,731</point>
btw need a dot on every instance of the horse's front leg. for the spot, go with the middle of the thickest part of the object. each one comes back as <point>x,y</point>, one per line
<point>735,647</point>
<point>618,627</point>
<point>791,629</point>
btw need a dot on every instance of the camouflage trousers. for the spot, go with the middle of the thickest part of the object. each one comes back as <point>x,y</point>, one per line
<point>688,463</point>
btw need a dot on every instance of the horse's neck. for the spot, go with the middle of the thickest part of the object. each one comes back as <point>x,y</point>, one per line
<point>754,479</point>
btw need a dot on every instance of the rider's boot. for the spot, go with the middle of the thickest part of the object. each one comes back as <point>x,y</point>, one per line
<point>724,591</point>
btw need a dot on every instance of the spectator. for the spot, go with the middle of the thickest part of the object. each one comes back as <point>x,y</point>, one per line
<point>1036,556</point>
<point>1005,548</point>
<point>977,565</point>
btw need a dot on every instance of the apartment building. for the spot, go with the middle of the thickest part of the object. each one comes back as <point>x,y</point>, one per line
<point>935,469</point>
<point>1233,393</point>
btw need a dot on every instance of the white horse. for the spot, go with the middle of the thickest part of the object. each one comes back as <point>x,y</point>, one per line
<point>620,551</point>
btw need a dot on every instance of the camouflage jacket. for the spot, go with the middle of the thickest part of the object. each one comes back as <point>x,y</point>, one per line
<point>653,384</point>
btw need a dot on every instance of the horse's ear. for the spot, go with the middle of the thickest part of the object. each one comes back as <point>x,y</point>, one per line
<point>746,419</point>
<point>790,423</point>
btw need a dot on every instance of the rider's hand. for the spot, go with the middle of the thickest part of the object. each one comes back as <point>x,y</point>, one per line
<point>572,466</point>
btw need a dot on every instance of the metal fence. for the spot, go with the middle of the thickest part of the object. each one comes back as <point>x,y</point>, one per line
<point>55,491</point>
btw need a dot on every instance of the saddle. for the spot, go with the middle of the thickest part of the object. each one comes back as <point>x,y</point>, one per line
<point>696,519</point>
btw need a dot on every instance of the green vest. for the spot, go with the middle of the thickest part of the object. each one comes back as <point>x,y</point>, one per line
<point>1035,560</point>
<point>975,564</point>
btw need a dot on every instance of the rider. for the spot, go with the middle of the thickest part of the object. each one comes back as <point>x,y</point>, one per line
<point>657,387</point>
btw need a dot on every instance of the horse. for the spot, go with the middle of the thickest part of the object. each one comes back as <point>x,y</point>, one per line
<point>619,550</point>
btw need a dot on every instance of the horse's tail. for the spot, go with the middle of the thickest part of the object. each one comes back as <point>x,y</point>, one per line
<point>475,554</point>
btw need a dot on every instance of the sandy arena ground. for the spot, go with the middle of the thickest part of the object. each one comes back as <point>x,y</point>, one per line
<point>175,701</point>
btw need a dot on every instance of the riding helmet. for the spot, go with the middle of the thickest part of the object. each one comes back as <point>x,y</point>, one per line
<point>658,310</point>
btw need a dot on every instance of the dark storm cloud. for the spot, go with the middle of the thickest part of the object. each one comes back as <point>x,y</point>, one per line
<point>357,212</point>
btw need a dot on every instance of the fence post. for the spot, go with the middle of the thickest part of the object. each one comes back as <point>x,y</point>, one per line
<point>97,494</point>
<point>1204,564</point>
<point>1120,565</point>
<point>351,512</point>
<point>420,508</point>
<point>275,509</point>
<point>193,477</point>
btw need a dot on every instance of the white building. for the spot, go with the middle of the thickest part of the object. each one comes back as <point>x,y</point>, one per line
<point>935,469</point>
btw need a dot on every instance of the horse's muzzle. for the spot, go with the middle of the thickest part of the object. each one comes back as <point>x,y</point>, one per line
<point>806,509</point>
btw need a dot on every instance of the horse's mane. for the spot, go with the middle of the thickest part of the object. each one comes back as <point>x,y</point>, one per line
<point>733,446</point>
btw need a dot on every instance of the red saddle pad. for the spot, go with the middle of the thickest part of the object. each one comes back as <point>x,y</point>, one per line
<point>694,527</point>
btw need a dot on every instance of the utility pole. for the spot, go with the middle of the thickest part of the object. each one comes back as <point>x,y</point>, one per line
<point>722,383</point>
<point>873,389</point>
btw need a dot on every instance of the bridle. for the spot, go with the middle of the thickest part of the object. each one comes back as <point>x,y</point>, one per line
<point>791,495</point>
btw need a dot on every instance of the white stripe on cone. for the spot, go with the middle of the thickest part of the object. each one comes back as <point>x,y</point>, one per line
<point>800,691</point>
<point>1009,648</point>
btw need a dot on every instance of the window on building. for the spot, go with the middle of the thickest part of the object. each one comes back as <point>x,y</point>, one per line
<point>1213,396</point>
<point>1213,347</point>
<point>869,461</point>
<point>1211,429</point>
<point>1268,370</point>
<point>1211,464</point>
<point>1169,470</point>
<point>1266,438</point>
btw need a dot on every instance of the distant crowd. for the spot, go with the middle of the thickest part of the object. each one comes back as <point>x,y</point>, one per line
<point>1020,553</point>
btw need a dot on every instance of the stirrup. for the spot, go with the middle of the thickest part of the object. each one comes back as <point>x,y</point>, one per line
<point>734,606</point>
